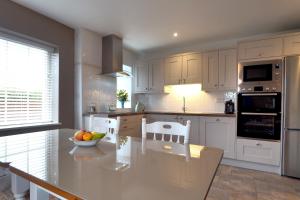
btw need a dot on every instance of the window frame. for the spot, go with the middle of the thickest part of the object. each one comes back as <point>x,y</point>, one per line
<point>52,49</point>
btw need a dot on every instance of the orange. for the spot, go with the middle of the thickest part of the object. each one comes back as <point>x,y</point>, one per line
<point>87,136</point>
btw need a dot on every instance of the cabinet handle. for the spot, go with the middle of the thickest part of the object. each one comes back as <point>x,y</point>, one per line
<point>218,120</point>
<point>146,88</point>
<point>184,80</point>
<point>258,144</point>
<point>216,85</point>
<point>179,81</point>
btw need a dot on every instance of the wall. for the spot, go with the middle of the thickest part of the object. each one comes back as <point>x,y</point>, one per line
<point>90,86</point>
<point>29,23</point>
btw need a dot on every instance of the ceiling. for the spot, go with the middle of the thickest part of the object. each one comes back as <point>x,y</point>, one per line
<point>147,25</point>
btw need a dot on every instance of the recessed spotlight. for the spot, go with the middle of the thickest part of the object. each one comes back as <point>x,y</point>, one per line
<point>175,34</point>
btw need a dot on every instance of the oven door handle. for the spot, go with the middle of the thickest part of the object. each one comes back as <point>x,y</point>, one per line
<point>260,94</point>
<point>266,114</point>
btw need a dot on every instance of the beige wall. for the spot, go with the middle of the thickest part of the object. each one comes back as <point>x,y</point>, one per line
<point>27,22</point>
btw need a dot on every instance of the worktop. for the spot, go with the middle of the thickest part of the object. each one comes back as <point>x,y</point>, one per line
<point>117,168</point>
<point>206,114</point>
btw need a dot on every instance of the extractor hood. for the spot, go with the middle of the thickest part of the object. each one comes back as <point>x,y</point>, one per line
<point>112,56</point>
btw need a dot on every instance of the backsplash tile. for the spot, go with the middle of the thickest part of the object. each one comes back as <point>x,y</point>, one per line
<point>97,89</point>
<point>201,102</point>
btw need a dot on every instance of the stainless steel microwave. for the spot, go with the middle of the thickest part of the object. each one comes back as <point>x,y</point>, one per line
<point>261,76</point>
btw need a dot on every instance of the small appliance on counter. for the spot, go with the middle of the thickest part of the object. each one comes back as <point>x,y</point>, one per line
<point>92,108</point>
<point>111,107</point>
<point>229,107</point>
<point>139,107</point>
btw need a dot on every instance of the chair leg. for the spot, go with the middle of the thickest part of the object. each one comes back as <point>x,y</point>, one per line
<point>19,187</point>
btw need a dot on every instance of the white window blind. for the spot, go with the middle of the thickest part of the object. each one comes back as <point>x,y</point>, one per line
<point>27,82</point>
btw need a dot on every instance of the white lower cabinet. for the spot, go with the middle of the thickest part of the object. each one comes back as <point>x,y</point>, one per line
<point>258,151</point>
<point>195,124</point>
<point>220,132</point>
<point>195,128</point>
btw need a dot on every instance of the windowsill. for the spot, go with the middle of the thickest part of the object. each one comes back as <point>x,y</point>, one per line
<point>11,130</point>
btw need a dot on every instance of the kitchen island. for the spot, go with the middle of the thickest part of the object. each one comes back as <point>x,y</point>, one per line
<point>117,168</point>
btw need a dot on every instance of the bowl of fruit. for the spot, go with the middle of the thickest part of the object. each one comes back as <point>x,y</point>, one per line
<point>85,138</point>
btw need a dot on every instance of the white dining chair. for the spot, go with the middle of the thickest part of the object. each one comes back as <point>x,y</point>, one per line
<point>110,126</point>
<point>170,129</point>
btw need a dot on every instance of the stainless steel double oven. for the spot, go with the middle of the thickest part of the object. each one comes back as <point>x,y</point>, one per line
<point>260,99</point>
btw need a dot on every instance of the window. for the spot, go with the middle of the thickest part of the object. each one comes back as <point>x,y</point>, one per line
<point>125,83</point>
<point>28,82</point>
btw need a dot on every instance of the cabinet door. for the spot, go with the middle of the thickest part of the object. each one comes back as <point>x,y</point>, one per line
<point>220,133</point>
<point>210,70</point>
<point>191,68</point>
<point>258,151</point>
<point>141,77</point>
<point>195,128</point>
<point>173,70</point>
<point>260,49</point>
<point>291,45</point>
<point>227,69</point>
<point>156,76</point>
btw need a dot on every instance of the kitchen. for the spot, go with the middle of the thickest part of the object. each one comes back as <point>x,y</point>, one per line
<point>240,95</point>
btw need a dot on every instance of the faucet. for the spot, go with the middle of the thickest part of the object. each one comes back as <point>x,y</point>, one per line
<point>184,107</point>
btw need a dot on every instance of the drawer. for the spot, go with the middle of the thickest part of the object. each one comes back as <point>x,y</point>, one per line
<point>291,45</point>
<point>258,151</point>
<point>131,119</point>
<point>133,125</point>
<point>130,132</point>
<point>260,49</point>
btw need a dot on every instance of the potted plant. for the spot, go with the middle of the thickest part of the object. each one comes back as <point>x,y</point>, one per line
<point>122,96</point>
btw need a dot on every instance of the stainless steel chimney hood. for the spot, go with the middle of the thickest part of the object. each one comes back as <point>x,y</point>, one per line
<point>112,56</point>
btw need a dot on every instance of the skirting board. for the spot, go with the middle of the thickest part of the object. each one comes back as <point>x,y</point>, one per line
<point>251,165</point>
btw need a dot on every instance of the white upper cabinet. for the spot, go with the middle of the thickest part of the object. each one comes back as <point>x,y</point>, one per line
<point>173,70</point>
<point>220,132</point>
<point>156,76</point>
<point>183,69</point>
<point>219,70</point>
<point>191,69</point>
<point>260,49</point>
<point>210,70</point>
<point>228,69</point>
<point>149,77</point>
<point>141,77</point>
<point>291,45</point>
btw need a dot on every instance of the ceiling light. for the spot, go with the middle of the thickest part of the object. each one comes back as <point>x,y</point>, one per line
<point>175,34</point>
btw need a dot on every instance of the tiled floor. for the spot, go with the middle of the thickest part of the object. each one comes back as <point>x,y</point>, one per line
<point>6,195</point>
<point>233,183</point>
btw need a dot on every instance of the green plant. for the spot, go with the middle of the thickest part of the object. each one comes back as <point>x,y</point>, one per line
<point>122,95</point>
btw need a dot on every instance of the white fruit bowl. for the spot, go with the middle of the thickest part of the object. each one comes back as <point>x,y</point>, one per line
<point>89,143</point>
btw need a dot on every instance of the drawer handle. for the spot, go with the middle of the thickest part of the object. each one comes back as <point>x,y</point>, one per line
<point>124,126</point>
<point>218,120</point>
<point>125,120</point>
<point>258,144</point>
